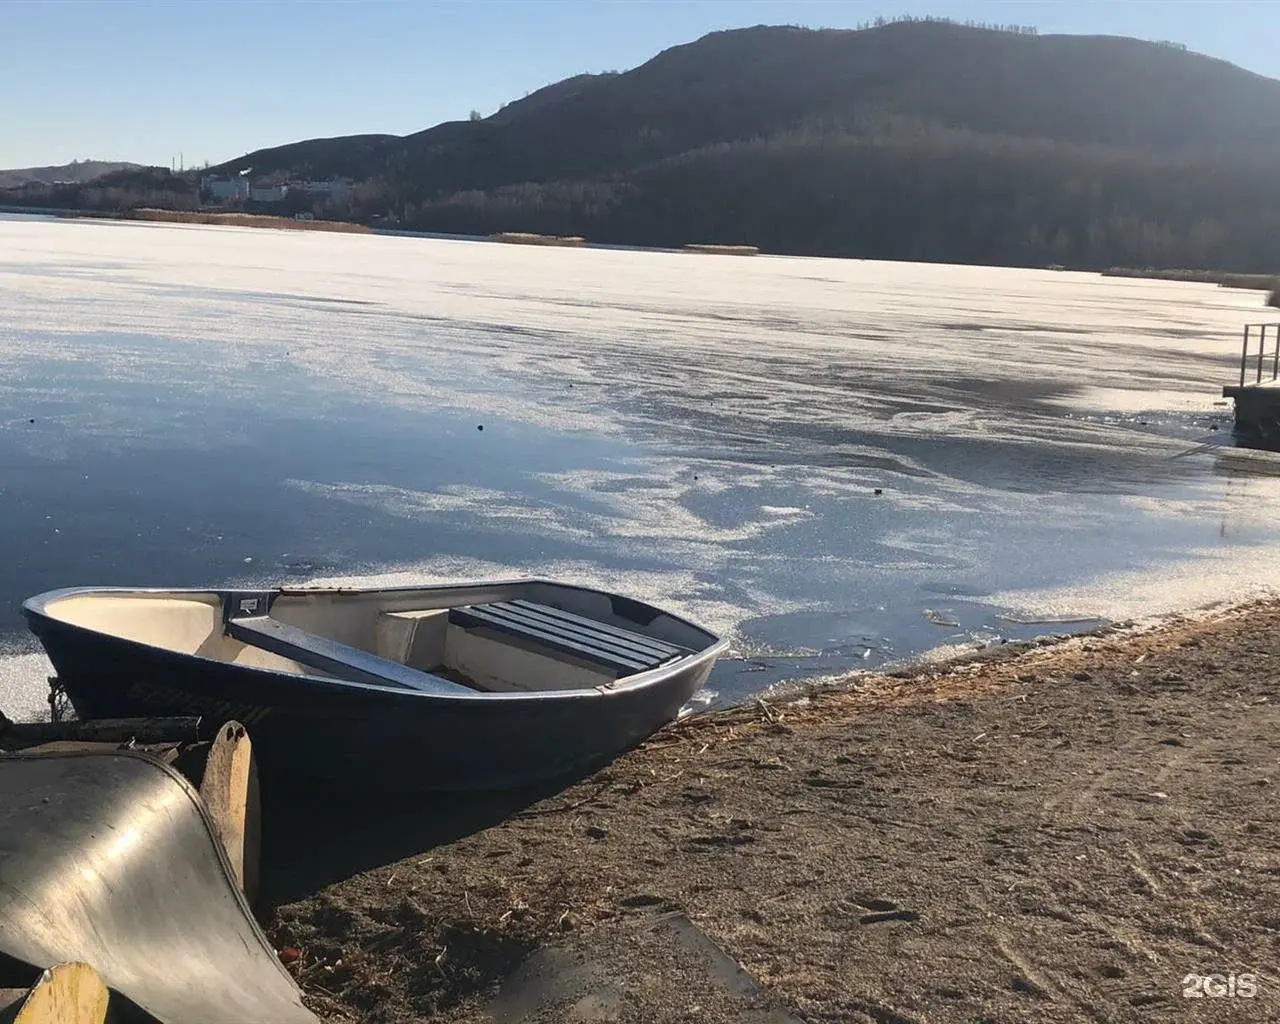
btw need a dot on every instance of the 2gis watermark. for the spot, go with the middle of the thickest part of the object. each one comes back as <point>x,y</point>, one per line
<point>1220,986</point>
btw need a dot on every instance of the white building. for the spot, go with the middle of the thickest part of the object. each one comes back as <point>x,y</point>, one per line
<point>226,189</point>
<point>240,188</point>
<point>337,189</point>
<point>268,193</point>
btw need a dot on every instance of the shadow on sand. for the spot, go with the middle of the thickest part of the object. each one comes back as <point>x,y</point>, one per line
<point>310,842</point>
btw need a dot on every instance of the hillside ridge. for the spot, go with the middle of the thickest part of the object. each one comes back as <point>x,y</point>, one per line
<point>913,140</point>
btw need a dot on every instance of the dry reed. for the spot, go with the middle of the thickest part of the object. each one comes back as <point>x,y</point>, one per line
<point>723,250</point>
<point>529,238</point>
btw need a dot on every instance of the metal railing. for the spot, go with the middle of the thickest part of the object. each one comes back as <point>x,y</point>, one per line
<point>1259,334</point>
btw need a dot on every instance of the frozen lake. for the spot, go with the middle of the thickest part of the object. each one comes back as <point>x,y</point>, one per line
<point>186,405</point>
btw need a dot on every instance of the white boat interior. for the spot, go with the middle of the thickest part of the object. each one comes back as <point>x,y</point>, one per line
<point>493,638</point>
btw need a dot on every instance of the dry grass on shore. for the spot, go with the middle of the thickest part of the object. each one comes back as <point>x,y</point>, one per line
<point>1222,278</point>
<point>1050,832</point>
<point>723,250</point>
<point>1255,282</point>
<point>239,220</point>
<point>529,238</point>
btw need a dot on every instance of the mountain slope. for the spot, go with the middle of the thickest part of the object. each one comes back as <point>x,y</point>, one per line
<point>917,140</point>
<point>80,171</point>
<point>759,82</point>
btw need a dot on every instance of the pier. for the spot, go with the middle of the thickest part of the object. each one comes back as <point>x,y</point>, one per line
<point>1257,395</point>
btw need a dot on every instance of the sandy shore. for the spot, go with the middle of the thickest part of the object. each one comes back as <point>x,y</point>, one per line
<point>1060,832</point>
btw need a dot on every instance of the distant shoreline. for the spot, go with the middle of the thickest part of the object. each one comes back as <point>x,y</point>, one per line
<point>240,220</point>
<point>247,220</point>
<point>1222,278</point>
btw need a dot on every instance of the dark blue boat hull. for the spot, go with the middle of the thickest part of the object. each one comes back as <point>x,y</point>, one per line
<point>343,738</point>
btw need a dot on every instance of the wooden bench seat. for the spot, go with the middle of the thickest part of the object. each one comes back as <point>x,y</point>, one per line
<point>338,659</point>
<point>620,650</point>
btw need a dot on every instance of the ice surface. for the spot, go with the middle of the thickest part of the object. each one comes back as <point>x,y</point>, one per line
<point>706,432</point>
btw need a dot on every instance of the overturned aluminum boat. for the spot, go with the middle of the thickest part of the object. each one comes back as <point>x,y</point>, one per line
<point>112,859</point>
<point>460,686</point>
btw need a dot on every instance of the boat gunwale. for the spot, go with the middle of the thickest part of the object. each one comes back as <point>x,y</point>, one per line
<point>38,606</point>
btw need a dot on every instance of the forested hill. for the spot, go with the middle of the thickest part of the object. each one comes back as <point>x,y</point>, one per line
<point>914,140</point>
<point>77,171</point>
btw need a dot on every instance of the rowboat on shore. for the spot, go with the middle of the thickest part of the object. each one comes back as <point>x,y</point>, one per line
<point>474,686</point>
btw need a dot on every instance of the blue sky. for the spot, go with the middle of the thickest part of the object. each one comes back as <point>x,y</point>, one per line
<point>211,79</point>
